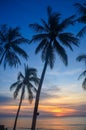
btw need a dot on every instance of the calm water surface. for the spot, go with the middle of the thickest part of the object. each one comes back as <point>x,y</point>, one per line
<point>59,123</point>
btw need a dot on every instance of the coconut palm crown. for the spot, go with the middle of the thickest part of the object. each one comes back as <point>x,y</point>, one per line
<point>27,81</point>
<point>52,38</point>
<point>10,50</point>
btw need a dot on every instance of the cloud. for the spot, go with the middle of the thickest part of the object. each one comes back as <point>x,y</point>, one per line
<point>69,73</point>
<point>5,99</point>
<point>53,88</point>
<point>46,95</point>
<point>51,92</point>
<point>80,109</point>
<point>64,110</point>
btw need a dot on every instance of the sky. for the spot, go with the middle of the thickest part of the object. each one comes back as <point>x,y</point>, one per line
<point>62,93</point>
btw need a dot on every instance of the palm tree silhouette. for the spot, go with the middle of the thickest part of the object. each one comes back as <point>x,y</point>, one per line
<point>83,74</point>
<point>29,80</point>
<point>10,39</point>
<point>52,38</point>
<point>82,17</point>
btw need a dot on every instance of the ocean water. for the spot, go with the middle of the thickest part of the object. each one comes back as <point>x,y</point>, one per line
<point>59,123</point>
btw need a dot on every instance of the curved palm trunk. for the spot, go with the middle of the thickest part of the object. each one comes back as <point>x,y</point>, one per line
<point>35,113</point>
<point>17,114</point>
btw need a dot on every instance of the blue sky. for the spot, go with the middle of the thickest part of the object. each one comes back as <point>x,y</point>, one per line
<point>63,79</point>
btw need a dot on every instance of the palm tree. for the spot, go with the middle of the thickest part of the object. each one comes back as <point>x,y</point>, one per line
<point>52,38</point>
<point>83,74</point>
<point>82,18</point>
<point>10,39</point>
<point>29,80</point>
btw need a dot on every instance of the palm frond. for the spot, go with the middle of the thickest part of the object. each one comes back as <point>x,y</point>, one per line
<point>66,22</point>
<point>81,58</point>
<point>20,76</point>
<point>17,90</point>
<point>1,50</point>
<point>41,45</point>
<point>60,50</point>
<point>37,27</point>
<point>51,56</point>
<point>11,59</point>
<point>2,55</point>
<point>2,38</point>
<point>81,8</point>
<point>54,21</point>
<point>31,87</point>
<point>23,91</point>
<point>84,84</point>
<point>82,32</point>
<point>13,33</point>
<point>20,40</point>
<point>82,19</point>
<point>39,37</point>
<point>4,29</point>
<point>83,74</point>
<point>68,39</point>
<point>48,51</point>
<point>34,89</point>
<point>30,94</point>
<point>26,69</point>
<point>49,11</point>
<point>20,51</point>
<point>46,27</point>
<point>30,97</point>
<point>53,17</point>
<point>14,85</point>
<point>35,80</point>
<point>44,51</point>
<point>30,72</point>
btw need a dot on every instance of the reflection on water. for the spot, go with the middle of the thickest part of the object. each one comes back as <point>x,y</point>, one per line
<point>60,123</point>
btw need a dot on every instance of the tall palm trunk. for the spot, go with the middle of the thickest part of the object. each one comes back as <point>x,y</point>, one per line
<point>17,114</point>
<point>35,113</point>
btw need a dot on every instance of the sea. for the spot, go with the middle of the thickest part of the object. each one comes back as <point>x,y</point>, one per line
<point>57,123</point>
